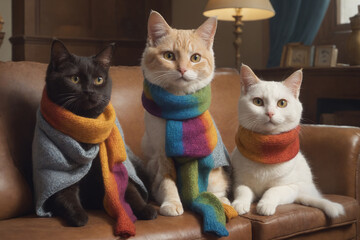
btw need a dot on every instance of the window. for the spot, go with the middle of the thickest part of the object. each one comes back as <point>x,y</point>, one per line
<point>335,28</point>
<point>345,10</point>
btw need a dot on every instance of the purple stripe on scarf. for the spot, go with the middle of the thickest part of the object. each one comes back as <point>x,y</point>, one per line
<point>121,178</point>
<point>151,106</point>
<point>194,138</point>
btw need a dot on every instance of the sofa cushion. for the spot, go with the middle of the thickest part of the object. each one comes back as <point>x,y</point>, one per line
<point>20,92</point>
<point>100,225</point>
<point>334,159</point>
<point>21,85</point>
<point>294,219</point>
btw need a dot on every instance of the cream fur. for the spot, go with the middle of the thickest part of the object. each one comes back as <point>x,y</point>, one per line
<point>165,73</point>
<point>183,44</point>
<point>273,184</point>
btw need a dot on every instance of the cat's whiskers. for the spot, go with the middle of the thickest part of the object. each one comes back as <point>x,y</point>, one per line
<point>67,99</point>
<point>162,79</point>
<point>248,119</point>
<point>77,108</point>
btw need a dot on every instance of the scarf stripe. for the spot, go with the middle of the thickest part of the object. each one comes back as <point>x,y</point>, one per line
<point>112,153</point>
<point>268,149</point>
<point>195,137</point>
<point>75,126</point>
<point>190,139</point>
<point>175,107</point>
<point>192,181</point>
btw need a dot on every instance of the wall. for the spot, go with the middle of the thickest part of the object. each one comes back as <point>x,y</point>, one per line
<point>188,14</point>
<point>5,12</point>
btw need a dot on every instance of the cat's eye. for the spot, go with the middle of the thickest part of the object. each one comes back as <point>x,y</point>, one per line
<point>75,79</point>
<point>282,103</point>
<point>195,58</point>
<point>99,81</point>
<point>169,56</point>
<point>258,101</point>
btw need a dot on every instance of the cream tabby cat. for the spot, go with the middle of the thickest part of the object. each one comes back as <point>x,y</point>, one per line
<point>181,62</point>
<point>272,108</point>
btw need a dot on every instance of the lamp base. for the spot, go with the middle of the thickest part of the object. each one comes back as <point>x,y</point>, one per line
<point>238,32</point>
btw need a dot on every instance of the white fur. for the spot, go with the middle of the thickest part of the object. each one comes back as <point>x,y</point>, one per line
<point>273,184</point>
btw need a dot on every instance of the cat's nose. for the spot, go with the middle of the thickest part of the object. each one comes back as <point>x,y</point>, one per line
<point>270,114</point>
<point>182,70</point>
<point>91,96</point>
<point>88,93</point>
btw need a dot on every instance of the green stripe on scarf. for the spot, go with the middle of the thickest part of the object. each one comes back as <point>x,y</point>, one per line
<point>187,116</point>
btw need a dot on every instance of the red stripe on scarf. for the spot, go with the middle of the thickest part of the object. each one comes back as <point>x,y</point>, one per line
<point>268,149</point>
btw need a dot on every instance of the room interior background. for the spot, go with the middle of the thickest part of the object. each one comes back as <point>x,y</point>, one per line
<point>188,14</point>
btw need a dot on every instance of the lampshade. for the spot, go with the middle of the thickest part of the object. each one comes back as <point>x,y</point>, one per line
<point>250,9</point>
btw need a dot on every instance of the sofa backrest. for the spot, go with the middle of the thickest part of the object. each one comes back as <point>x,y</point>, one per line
<point>21,85</point>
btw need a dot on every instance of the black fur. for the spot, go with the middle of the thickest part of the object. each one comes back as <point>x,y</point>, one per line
<point>86,99</point>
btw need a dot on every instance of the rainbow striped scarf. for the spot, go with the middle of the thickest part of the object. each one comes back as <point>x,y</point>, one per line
<point>112,152</point>
<point>191,137</point>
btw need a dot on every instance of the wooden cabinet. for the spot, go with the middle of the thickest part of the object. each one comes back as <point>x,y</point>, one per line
<point>85,26</point>
<point>325,91</point>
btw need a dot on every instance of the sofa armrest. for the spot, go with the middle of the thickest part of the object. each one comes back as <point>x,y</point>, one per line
<point>333,153</point>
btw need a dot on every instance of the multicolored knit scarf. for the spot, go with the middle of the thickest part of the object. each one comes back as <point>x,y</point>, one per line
<point>190,139</point>
<point>268,149</point>
<point>102,131</point>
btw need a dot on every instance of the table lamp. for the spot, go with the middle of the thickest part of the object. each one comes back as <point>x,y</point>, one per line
<point>239,10</point>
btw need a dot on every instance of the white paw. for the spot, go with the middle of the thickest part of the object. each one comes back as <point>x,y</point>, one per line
<point>241,207</point>
<point>266,208</point>
<point>334,210</point>
<point>172,208</point>
<point>225,200</point>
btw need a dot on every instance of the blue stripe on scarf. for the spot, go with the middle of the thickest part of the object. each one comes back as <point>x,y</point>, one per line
<point>192,171</point>
<point>211,222</point>
<point>205,165</point>
<point>173,145</point>
<point>173,106</point>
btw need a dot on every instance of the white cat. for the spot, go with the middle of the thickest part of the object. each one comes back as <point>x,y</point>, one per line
<point>271,108</point>
<point>181,62</point>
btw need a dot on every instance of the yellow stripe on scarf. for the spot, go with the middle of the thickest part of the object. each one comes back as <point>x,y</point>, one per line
<point>85,130</point>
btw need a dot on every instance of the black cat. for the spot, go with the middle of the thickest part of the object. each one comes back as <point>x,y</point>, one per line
<point>83,86</point>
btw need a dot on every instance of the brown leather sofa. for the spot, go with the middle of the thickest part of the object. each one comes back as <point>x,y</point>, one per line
<point>333,153</point>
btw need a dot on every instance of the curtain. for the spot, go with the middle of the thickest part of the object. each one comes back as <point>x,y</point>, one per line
<point>294,21</point>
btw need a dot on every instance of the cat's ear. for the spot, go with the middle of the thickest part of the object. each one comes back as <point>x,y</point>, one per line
<point>294,82</point>
<point>59,53</point>
<point>207,31</point>
<point>247,78</point>
<point>157,27</point>
<point>104,57</point>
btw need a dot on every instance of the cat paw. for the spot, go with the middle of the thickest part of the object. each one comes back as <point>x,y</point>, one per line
<point>171,208</point>
<point>266,208</point>
<point>225,200</point>
<point>241,207</point>
<point>334,210</point>
<point>147,213</point>
<point>78,220</point>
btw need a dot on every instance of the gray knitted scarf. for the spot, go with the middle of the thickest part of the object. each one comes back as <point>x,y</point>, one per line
<point>59,161</point>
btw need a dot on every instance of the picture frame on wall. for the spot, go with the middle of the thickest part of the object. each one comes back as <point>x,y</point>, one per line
<point>326,56</point>
<point>297,55</point>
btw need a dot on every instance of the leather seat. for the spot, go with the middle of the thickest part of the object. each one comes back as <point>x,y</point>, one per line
<point>332,152</point>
